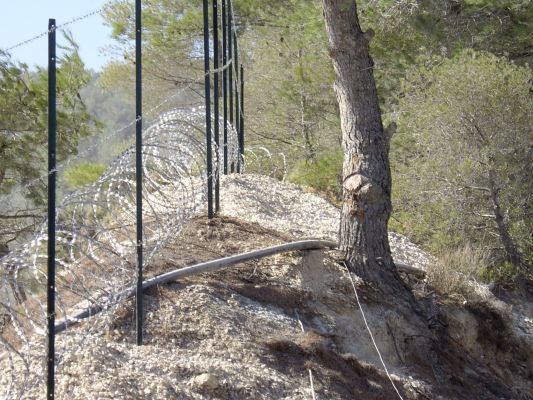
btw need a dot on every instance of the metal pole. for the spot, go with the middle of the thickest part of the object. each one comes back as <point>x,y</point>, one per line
<point>216,102</point>
<point>138,168</point>
<point>207,84</point>
<point>52,135</point>
<point>230,72</point>
<point>237,94</point>
<point>241,125</point>
<point>225,82</point>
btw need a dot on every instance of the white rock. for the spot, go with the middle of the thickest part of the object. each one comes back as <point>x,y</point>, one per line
<point>206,381</point>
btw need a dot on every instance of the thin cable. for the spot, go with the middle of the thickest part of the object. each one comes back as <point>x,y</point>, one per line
<point>80,18</point>
<point>58,27</point>
<point>312,384</point>
<point>309,369</point>
<point>370,332</point>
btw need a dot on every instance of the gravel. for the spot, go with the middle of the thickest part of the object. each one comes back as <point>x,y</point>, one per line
<point>285,207</point>
<point>205,342</point>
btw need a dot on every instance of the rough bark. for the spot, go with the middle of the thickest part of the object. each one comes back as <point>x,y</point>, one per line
<point>366,171</point>
<point>367,179</point>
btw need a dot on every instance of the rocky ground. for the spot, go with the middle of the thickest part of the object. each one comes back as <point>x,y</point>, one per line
<point>289,326</point>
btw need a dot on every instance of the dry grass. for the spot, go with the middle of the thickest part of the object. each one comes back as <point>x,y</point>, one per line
<point>457,271</point>
<point>340,374</point>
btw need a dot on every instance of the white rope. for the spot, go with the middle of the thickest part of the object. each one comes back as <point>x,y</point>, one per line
<point>312,385</point>
<point>310,372</point>
<point>370,332</point>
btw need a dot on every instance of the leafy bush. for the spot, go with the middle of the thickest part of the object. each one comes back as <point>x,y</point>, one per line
<point>462,154</point>
<point>321,175</point>
<point>505,274</point>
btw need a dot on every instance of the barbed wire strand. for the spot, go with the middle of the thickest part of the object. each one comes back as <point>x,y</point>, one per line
<point>58,27</point>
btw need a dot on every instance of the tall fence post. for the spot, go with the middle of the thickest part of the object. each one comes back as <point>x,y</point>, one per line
<point>207,84</point>
<point>216,102</point>
<point>225,82</point>
<point>138,168</point>
<point>237,96</point>
<point>51,278</point>
<point>241,124</point>
<point>230,72</point>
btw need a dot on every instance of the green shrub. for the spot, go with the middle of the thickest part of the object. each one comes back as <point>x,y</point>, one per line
<point>504,274</point>
<point>321,175</point>
<point>464,132</point>
<point>83,174</point>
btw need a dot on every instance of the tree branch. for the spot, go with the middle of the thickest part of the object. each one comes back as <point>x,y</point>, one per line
<point>20,216</point>
<point>462,185</point>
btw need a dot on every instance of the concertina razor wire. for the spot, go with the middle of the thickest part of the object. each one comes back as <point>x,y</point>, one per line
<point>96,245</point>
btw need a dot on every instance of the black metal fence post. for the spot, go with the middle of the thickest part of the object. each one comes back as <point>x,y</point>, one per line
<point>51,279</point>
<point>207,83</point>
<point>138,168</point>
<point>241,124</point>
<point>237,94</point>
<point>216,102</point>
<point>225,82</point>
<point>231,64</point>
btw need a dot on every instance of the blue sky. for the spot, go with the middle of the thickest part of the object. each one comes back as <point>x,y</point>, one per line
<point>24,19</point>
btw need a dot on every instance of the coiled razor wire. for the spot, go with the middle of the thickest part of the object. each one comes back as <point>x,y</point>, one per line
<point>96,251</point>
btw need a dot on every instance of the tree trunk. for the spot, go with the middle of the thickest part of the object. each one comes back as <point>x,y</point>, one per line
<point>511,251</point>
<point>367,179</point>
<point>306,131</point>
<point>366,171</point>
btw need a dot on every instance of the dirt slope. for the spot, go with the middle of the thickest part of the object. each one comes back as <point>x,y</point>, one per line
<point>256,331</point>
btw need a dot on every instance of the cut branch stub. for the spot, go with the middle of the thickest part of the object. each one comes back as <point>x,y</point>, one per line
<point>363,188</point>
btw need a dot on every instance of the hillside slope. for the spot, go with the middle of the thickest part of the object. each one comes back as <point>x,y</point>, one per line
<point>262,329</point>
